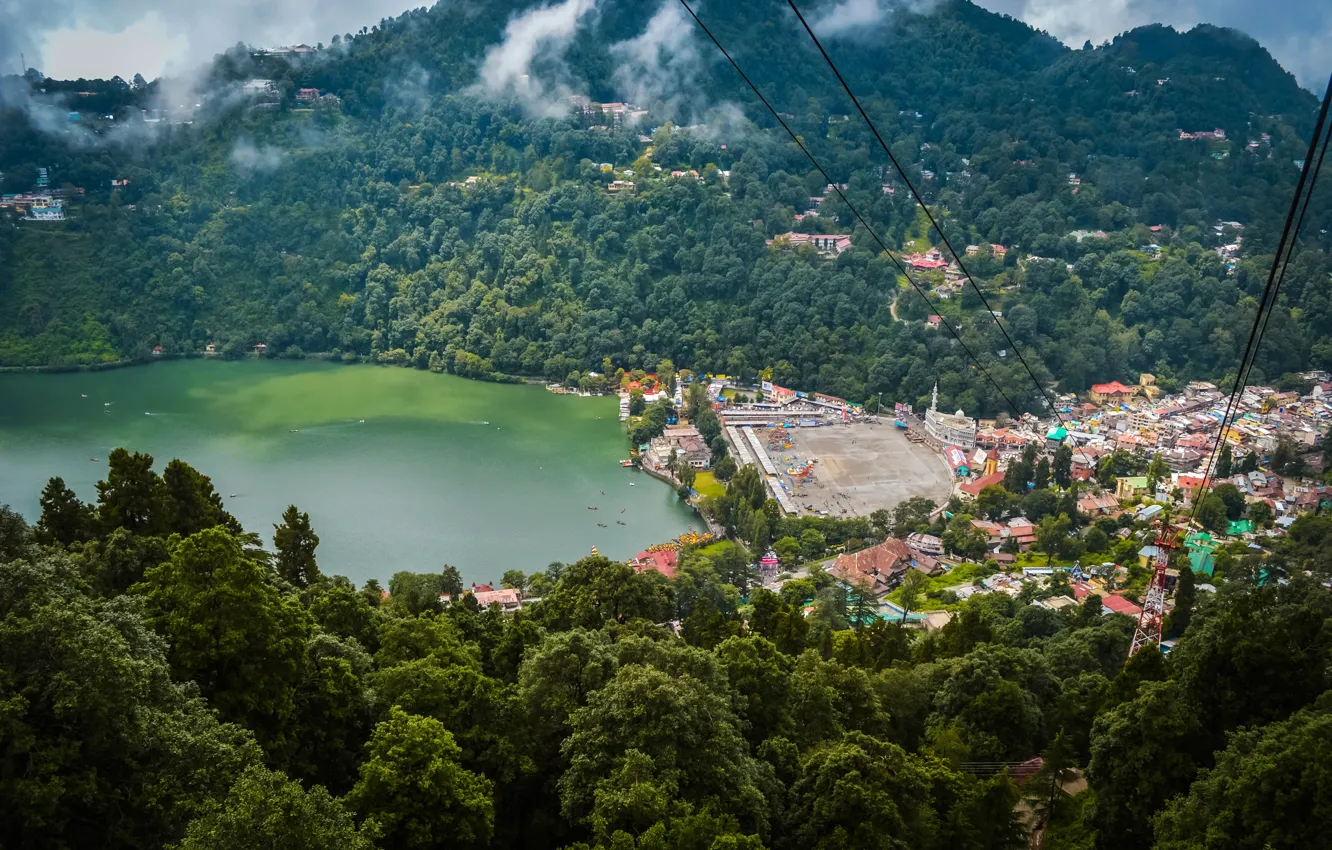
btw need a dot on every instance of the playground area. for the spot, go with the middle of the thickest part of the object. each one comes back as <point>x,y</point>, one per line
<point>851,470</point>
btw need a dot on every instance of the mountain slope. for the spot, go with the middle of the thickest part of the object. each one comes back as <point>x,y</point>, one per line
<point>338,229</point>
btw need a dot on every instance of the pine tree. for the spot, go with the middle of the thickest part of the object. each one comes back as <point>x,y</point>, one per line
<point>295,542</point>
<point>1248,463</point>
<point>1224,460</point>
<point>131,497</point>
<point>1042,474</point>
<point>1059,757</point>
<point>1062,468</point>
<point>1185,596</point>
<point>1157,471</point>
<point>64,519</point>
<point>191,503</point>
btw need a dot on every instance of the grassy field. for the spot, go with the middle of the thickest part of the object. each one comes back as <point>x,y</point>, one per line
<point>963,574</point>
<point>708,486</point>
<point>916,240</point>
<point>712,550</point>
<point>1039,559</point>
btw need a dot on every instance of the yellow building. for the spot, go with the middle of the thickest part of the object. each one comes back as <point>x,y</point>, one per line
<point>1130,487</point>
<point>1147,383</point>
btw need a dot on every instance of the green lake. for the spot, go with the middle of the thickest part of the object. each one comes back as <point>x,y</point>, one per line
<point>399,469</point>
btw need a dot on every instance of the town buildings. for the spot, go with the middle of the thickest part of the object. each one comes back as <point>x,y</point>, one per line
<point>826,244</point>
<point>1110,393</point>
<point>47,209</point>
<point>880,568</point>
<point>678,441</point>
<point>509,599</point>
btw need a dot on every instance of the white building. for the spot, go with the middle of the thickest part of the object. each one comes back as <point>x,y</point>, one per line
<point>949,429</point>
<point>47,209</point>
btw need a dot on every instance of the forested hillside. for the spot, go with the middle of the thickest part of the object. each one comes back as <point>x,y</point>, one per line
<point>167,682</point>
<point>351,229</point>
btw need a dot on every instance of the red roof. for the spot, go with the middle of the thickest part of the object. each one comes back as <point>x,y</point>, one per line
<point>1112,388</point>
<point>1120,605</point>
<point>877,563</point>
<point>973,488</point>
<point>663,561</point>
<point>1190,482</point>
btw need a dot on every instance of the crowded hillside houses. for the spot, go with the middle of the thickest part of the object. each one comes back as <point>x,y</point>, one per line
<point>1273,427</point>
<point>44,203</point>
<point>1131,458</point>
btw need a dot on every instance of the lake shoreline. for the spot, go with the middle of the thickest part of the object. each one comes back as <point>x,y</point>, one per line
<point>398,472</point>
<point>321,356</point>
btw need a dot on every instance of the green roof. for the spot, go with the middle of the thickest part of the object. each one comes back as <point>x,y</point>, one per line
<point>1200,540</point>
<point>1057,433</point>
<point>1136,481</point>
<point>1240,526</point>
<point>1202,561</point>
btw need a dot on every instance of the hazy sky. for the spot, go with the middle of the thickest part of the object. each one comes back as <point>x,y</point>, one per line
<point>102,38</point>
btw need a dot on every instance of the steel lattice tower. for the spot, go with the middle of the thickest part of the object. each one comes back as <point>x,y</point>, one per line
<point>1153,603</point>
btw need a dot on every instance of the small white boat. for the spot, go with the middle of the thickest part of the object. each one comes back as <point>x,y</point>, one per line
<point>631,483</point>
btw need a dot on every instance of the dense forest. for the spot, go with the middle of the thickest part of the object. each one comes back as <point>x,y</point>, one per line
<point>167,680</point>
<point>441,215</point>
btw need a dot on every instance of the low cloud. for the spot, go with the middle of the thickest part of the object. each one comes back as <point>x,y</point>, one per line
<point>54,115</point>
<point>248,159</point>
<point>659,68</point>
<point>857,18</point>
<point>529,63</point>
<point>410,90</point>
<point>104,38</point>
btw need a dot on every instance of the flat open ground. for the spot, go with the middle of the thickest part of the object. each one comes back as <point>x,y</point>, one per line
<point>860,468</point>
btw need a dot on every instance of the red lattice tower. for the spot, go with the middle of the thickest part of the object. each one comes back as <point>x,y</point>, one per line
<point>1153,603</point>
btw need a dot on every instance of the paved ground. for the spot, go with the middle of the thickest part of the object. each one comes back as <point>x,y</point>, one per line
<point>860,468</point>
